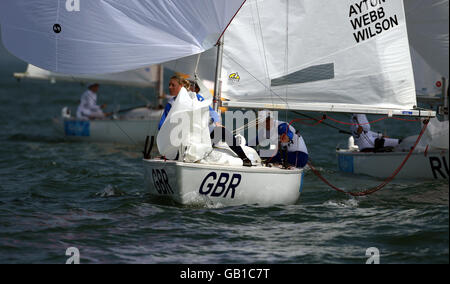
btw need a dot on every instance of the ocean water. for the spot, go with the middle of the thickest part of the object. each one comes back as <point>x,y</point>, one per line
<point>55,195</point>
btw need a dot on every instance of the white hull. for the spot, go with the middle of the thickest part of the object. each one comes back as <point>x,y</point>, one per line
<point>198,184</point>
<point>433,165</point>
<point>132,132</point>
<point>121,131</point>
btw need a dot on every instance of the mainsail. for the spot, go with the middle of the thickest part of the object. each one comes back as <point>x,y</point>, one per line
<point>97,37</point>
<point>143,78</point>
<point>320,55</point>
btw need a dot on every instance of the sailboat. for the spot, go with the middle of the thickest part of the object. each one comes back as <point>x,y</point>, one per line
<point>126,125</point>
<point>428,24</point>
<point>324,56</point>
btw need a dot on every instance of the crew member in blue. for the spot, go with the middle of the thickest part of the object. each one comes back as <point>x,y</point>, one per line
<point>218,132</point>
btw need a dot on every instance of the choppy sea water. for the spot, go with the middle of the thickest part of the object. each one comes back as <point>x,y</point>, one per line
<point>56,194</point>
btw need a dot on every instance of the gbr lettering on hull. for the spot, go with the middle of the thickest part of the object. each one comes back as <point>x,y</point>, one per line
<point>221,185</point>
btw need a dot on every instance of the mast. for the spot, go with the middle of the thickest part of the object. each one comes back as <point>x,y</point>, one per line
<point>445,96</point>
<point>218,77</point>
<point>160,84</point>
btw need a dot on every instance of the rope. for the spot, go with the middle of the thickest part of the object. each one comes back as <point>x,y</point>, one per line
<point>372,122</point>
<point>382,185</point>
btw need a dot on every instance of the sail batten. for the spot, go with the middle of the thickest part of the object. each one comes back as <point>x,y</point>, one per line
<point>323,108</point>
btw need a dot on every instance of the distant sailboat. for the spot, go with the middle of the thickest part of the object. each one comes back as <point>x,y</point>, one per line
<point>428,29</point>
<point>126,126</point>
<point>310,60</point>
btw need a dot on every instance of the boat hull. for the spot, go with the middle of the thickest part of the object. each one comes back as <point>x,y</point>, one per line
<point>130,132</point>
<point>198,184</point>
<point>430,166</point>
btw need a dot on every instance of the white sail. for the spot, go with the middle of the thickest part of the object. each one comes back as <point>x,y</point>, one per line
<point>321,55</point>
<point>204,64</point>
<point>144,77</point>
<point>201,65</point>
<point>428,26</point>
<point>97,37</point>
<point>428,80</point>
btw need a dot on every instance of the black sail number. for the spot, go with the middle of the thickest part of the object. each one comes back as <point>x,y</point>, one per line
<point>161,182</point>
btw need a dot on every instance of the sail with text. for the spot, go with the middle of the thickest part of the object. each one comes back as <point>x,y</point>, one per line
<point>98,37</point>
<point>320,55</point>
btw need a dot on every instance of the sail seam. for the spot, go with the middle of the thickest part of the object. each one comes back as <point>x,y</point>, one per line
<point>57,38</point>
<point>264,48</point>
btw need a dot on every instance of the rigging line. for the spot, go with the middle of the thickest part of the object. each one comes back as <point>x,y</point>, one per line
<point>245,126</point>
<point>124,132</point>
<point>324,123</point>
<point>382,185</point>
<point>264,46</point>
<point>286,67</point>
<point>374,121</point>
<point>115,122</point>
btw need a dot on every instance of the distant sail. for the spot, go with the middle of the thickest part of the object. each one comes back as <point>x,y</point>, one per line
<point>98,37</point>
<point>428,80</point>
<point>144,77</point>
<point>320,55</point>
<point>428,27</point>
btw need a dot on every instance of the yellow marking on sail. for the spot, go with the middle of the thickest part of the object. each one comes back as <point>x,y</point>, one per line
<point>235,76</point>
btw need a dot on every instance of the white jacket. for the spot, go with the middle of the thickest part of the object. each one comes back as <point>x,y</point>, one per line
<point>367,137</point>
<point>88,106</point>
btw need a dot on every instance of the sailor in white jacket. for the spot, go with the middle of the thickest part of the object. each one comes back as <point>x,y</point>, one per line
<point>88,108</point>
<point>367,140</point>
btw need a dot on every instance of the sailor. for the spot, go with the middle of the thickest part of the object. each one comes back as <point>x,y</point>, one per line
<point>194,87</point>
<point>175,85</point>
<point>88,108</point>
<point>367,140</point>
<point>291,145</point>
<point>218,132</point>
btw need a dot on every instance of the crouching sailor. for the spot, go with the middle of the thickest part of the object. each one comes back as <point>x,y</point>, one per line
<point>88,108</point>
<point>291,146</point>
<point>367,140</point>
